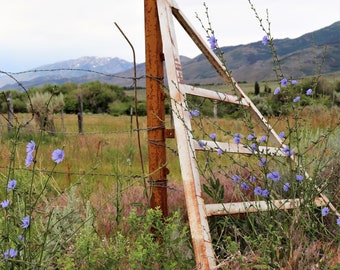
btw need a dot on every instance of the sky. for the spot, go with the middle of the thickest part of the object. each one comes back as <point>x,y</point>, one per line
<point>39,32</point>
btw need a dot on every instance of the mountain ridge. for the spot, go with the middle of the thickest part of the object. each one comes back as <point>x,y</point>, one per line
<point>248,62</point>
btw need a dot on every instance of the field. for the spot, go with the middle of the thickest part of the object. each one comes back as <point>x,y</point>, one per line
<point>102,177</point>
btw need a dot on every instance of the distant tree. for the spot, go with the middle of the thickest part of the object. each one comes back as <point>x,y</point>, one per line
<point>43,106</point>
<point>256,88</point>
<point>267,89</point>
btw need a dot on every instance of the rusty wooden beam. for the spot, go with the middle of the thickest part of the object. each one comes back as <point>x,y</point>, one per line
<point>155,97</point>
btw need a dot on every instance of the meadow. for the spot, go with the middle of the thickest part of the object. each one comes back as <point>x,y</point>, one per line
<point>100,187</point>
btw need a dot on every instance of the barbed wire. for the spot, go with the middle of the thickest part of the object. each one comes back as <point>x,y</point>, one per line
<point>13,75</point>
<point>34,130</point>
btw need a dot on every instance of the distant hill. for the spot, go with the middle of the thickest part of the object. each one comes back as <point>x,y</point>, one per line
<point>252,62</point>
<point>74,70</point>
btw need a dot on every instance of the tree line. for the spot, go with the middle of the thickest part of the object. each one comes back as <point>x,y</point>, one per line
<point>97,97</point>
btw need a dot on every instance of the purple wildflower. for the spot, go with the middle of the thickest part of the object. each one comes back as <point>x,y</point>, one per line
<point>194,113</point>
<point>5,204</point>
<point>275,176</point>
<point>254,147</point>
<point>213,136</point>
<point>13,253</point>
<point>277,90</point>
<point>324,211</point>
<point>29,159</point>
<point>5,254</point>
<point>282,134</point>
<point>257,191</point>
<point>297,99</point>
<point>294,82</point>
<point>286,186</point>
<point>263,139</point>
<point>287,151</point>
<point>30,147</point>
<point>263,162</point>
<point>25,222</point>
<point>284,82</point>
<point>220,151</point>
<point>251,136</point>
<point>309,92</point>
<point>213,42</point>
<point>236,178</point>
<point>201,143</point>
<point>237,138</point>
<point>11,185</point>
<point>265,193</point>
<point>299,177</point>
<point>338,221</point>
<point>265,40</point>
<point>58,155</point>
<point>252,178</point>
<point>244,186</point>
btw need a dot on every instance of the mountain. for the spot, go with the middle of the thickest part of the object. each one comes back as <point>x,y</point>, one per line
<point>79,70</point>
<point>299,57</point>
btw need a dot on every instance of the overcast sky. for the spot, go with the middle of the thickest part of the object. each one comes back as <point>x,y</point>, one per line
<point>38,32</point>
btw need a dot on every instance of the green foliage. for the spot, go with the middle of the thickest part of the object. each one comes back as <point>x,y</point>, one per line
<point>256,88</point>
<point>148,243</point>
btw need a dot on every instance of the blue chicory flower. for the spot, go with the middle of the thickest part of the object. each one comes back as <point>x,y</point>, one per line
<point>325,211</point>
<point>282,135</point>
<point>294,82</point>
<point>338,221</point>
<point>5,203</point>
<point>263,162</point>
<point>11,253</point>
<point>254,147</point>
<point>277,90</point>
<point>236,178</point>
<point>258,191</point>
<point>220,151</point>
<point>284,82</point>
<point>309,92</point>
<point>286,186</point>
<point>58,155</point>
<point>213,136</point>
<point>29,159</point>
<point>265,40</point>
<point>237,138</point>
<point>30,147</point>
<point>194,113</point>
<point>201,143</point>
<point>25,222</point>
<point>213,42</point>
<point>11,185</point>
<point>299,177</point>
<point>5,254</point>
<point>263,139</point>
<point>251,136</point>
<point>252,178</point>
<point>297,99</point>
<point>265,193</point>
<point>244,186</point>
<point>287,151</point>
<point>275,176</point>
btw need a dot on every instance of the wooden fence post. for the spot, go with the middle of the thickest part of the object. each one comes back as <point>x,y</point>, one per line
<point>155,97</point>
<point>10,111</point>
<point>80,114</point>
